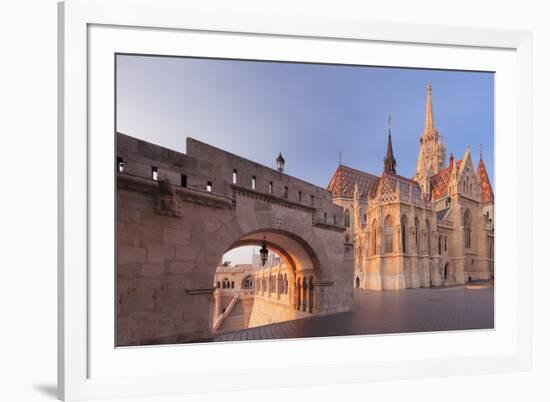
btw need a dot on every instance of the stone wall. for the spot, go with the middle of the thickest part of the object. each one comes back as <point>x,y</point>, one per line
<point>265,312</point>
<point>171,235</point>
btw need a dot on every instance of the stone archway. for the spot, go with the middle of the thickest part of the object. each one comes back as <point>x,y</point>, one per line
<point>301,263</point>
<point>168,298</point>
<point>447,276</point>
<point>173,229</point>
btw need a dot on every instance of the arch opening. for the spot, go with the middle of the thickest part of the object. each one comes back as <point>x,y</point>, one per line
<point>281,288</point>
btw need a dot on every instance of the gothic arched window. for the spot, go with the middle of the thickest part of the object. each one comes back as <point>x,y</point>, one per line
<point>416,232</point>
<point>467,222</point>
<point>388,235</point>
<point>404,226</point>
<point>248,283</point>
<point>374,230</point>
<point>428,237</point>
<point>347,218</point>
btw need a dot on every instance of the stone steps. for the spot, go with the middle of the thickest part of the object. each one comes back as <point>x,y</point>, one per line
<point>239,317</point>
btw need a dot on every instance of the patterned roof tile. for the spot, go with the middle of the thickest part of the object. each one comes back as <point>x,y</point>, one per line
<point>439,182</point>
<point>486,189</point>
<point>342,183</point>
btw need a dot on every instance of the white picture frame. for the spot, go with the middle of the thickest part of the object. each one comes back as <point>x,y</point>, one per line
<point>77,378</point>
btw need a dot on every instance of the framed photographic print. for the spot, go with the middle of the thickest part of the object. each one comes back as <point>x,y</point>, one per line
<point>348,200</point>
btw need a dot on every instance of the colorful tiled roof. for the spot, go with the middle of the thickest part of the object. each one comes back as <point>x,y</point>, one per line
<point>486,189</point>
<point>342,183</point>
<point>387,186</point>
<point>439,182</point>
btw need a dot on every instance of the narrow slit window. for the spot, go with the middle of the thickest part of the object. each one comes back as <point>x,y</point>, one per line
<point>286,191</point>
<point>234,176</point>
<point>154,173</point>
<point>299,196</point>
<point>270,187</point>
<point>209,186</point>
<point>184,180</point>
<point>120,164</point>
<point>253,182</point>
<point>325,218</point>
<point>312,200</point>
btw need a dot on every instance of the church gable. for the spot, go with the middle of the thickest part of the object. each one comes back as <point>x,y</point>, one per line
<point>467,180</point>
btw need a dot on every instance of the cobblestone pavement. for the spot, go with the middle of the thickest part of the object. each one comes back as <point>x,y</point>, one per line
<point>411,310</point>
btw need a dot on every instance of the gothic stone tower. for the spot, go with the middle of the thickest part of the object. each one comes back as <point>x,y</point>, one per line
<point>431,157</point>
<point>396,247</point>
<point>436,229</point>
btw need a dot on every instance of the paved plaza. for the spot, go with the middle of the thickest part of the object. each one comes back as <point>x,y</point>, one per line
<point>374,312</point>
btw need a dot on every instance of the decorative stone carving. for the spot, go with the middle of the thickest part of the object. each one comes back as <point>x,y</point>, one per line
<point>167,202</point>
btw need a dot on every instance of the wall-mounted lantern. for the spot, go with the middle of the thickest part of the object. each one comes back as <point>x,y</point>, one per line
<point>280,163</point>
<point>264,252</point>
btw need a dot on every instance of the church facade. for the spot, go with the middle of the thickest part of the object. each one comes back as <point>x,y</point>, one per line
<point>435,229</point>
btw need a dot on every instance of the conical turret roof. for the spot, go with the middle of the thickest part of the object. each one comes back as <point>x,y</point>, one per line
<point>486,189</point>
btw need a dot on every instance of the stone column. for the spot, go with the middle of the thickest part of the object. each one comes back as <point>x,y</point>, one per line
<point>297,294</point>
<point>310,294</point>
<point>304,295</point>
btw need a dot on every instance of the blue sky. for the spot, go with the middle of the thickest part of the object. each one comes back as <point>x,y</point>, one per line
<point>309,112</point>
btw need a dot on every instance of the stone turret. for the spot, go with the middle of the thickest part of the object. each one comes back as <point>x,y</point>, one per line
<point>389,160</point>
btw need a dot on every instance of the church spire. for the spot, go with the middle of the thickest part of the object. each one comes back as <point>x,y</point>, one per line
<point>389,160</point>
<point>431,156</point>
<point>429,111</point>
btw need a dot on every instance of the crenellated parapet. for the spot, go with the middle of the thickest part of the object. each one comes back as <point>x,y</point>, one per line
<point>211,176</point>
